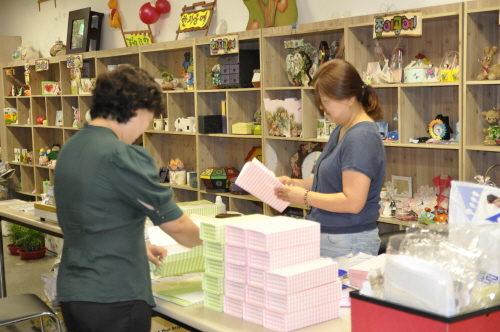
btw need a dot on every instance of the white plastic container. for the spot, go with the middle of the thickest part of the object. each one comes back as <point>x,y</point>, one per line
<point>220,204</point>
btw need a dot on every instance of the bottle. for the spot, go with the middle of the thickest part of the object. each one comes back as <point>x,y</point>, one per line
<point>222,206</point>
<point>224,118</point>
<point>393,208</point>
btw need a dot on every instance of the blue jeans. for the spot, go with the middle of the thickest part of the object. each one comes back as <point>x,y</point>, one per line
<point>335,245</point>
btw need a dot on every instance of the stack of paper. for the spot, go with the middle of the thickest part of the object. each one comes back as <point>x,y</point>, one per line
<point>236,273</point>
<point>235,255</point>
<point>242,128</point>
<point>50,287</point>
<point>267,260</point>
<point>255,295</point>
<point>213,284</point>
<point>183,292</point>
<point>235,290</point>
<point>180,263</point>
<point>203,208</point>
<point>358,273</point>
<point>261,182</point>
<point>215,267</point>
<point>253,313</point>
<point>233,307</point>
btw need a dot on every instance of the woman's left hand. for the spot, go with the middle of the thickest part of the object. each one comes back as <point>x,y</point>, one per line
<point>292,194</point>
<point>153,252</point>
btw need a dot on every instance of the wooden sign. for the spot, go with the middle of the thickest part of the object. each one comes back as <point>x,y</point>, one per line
<point>224,45</point>
<point>41,65</point>
<point>134,40</point>
<point>398,25</point>
<point>193,19</point>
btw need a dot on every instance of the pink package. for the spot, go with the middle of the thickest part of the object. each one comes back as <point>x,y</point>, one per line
<point>235,290</point>
<point>255,296</point>
<point>298,277</point>
<point>236,273</point>
<point>275,259</point>
<point>255,277</point>
<point>253,313</point>
<point>236,233</point>
<point>233,307</point>
<point>282,232</point>
<point>300,319</point>
<point>303,300</point>
<point>235,255</point>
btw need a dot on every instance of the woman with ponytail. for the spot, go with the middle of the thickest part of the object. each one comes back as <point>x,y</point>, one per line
<point>344,193</point>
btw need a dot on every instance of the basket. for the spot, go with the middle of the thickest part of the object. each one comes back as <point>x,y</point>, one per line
<point>450,70</point>
<point>485,180</point>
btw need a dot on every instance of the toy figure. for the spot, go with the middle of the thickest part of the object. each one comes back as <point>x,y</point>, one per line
<point>76,116</point>
<point>489,72</point>
<point>429,73</point>
<point>189,80</point>
<point>216,76</point>
<point>43,159</point>
<point>492,117</point>
<point>54,152</point>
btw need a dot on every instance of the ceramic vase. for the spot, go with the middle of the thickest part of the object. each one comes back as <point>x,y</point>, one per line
<point>58,48</point>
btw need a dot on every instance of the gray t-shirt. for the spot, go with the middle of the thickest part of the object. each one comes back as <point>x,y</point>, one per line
<point>99,183</point>
<point>361,150</point>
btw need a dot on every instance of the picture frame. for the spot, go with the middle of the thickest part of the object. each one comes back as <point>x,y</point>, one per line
<point>74,61</point>
<point>402,186</point>
<point>41,65</point>
<point>81,32</point>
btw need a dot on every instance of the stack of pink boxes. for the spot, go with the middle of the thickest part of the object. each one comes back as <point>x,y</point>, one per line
<point>274,275</point>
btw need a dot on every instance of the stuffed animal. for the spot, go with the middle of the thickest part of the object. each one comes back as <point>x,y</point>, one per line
<point>490,72</point>
<point>492,117</point>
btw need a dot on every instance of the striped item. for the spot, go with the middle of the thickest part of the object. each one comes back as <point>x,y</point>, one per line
<point>203,208</point>
<point>212,284</point>
<point>213,250</point>
<point>260,182</point>
<point>236,233</point>
<point>255,296</point>
<point>236,273</point>
<point>214,268</point>
<point>255,277</point>
<point>298,277</point>
<point>282,232</point>
<point>275,259</point>
<point>235,290</point>
<point>299,319</point>
<point>303,300</point>
<point>233,307</point>
<point>214,301</point>
<point>215,230</point>
<point>178,264</point>
<point>253,313</point>
<point>236,255</point>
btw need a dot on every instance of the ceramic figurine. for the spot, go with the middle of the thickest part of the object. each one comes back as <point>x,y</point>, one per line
<point>43,159</point>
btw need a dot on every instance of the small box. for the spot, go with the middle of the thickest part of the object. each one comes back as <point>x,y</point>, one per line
<point>212,284</point>
<point>235,290</point>
<point>214,267</point>
<point>256,277</point>
<point>210,124</point>
<point>212,250</point>
<point>237,273</point>
<point>275,259</point>
<point>255,296</point>
<point>253,313</point>
<point>372,315</point>
<point>214,301</point>
<point>236,255</point>
<point>233,307</point>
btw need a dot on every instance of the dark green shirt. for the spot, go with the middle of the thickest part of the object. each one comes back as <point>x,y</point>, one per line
<point>99,185</point>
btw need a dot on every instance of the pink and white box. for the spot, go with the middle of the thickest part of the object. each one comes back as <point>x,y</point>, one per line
<point>305,299</point>
<point>235,290</point>
<point>282,232</point>
<point>236,273</point>
<point>236,233</point>
<point>255,296</point>
<point>255,277</point>
<point>233,307</point>
<point>235,255</point>
<point>298,277</point>
<point>299,319</point>
<point>275,259</point>
<point>253,313</point>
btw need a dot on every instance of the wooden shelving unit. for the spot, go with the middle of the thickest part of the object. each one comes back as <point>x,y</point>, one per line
<point>408,108</point>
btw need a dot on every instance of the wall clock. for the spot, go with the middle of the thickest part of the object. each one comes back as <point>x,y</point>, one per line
<point>437,129</point>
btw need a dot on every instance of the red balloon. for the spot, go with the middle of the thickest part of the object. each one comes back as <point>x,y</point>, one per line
<point>148,14</point>
<point>162,6</point>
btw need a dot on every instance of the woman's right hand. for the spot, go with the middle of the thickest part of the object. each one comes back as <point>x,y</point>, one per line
<point>287,181</point>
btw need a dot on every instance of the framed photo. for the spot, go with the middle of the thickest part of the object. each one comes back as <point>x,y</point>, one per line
<point>402,186</point>
<point>49,88</point>
<point>74,61</point>
<point>81,31</point>
<point>41,65</point>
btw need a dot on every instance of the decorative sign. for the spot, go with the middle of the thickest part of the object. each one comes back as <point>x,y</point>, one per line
<point>398,25</point>
<point>195,20</point>
<point>224,45</point>
<point>9,72</point>
<point>74,61</point>
<point>41,65</point>
<point>294,43</point>
<point>134,40</point>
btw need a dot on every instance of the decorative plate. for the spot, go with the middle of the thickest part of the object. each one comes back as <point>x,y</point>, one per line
<point>309,164</point>
<point>298,159</point>
<point>298,65</point>
<point>271,158</point>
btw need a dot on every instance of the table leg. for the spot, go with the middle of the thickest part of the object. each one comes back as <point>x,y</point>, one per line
<point>3,289</point>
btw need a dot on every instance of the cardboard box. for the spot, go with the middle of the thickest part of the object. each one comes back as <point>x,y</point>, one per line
<point>374,315</point>
<point>162,325</point>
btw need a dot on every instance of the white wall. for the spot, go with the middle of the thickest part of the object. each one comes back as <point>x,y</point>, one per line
<point>22,18</point>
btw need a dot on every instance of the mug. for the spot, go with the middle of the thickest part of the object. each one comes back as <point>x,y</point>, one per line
<point>158,124</point>
<point>165,121</point>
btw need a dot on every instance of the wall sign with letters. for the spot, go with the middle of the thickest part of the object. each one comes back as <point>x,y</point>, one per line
<point>398,25</point>
<point>224,45</point>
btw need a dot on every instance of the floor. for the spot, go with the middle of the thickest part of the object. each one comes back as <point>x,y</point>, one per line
<point>24,276</point>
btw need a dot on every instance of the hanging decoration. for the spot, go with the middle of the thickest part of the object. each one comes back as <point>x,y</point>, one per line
<point>150,12</point>
<point>115,20</point>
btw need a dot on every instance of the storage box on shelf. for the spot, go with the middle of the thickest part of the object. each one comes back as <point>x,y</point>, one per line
<point>481,30</point>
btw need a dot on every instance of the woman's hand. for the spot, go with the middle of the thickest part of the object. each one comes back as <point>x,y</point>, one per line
<point>286,180</point>
<point>153,252</point>
<point>290,193</point>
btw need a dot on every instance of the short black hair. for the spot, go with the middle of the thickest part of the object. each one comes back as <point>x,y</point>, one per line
<point>120,93</point>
